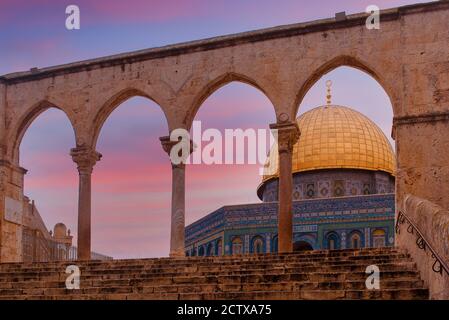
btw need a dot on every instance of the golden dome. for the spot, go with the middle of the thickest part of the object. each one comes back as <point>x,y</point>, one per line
<point>336,137</point>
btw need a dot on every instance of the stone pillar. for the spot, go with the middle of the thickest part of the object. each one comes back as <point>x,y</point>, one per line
<point>2,120</point>
<point>2,155</point>
<point>288,134</point>
<point>85,158</point>
<point>177,227</point>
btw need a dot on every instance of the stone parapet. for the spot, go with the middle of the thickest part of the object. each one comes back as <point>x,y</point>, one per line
<point>432,223</point>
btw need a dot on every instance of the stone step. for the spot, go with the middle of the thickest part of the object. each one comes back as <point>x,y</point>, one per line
<point>387,294</point>
<point>143,288</point>
<point>223,259</point>
<point>200,263</point>
<point>237,278</point>
<point>390,267</point>
<point>337,274</point>
<point>218,267</point>
<point>387,273</point>
<point>142,280</point>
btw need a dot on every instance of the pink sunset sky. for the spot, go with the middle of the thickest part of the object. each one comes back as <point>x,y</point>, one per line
<point>132,182</point>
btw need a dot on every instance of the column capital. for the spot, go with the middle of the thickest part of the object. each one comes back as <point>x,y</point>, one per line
<point>85,158</point>
<point>168,144</point>
<point>287,135</point>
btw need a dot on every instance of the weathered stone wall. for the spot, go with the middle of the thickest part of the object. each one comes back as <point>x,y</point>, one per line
<point>11,210</point>
<point>423,160</point>
<point>433,223</point>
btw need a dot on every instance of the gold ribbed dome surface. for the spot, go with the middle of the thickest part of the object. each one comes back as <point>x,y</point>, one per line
<point>335,137</point>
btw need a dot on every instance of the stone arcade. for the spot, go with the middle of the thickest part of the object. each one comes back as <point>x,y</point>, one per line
<point>408,56</point>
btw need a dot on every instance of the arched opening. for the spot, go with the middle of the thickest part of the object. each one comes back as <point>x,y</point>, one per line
<point>333,241</point>
<point>355,240</point>
<point>237,246</point>
<point>50,184</point>
<point>345,148</point>
<point>222,174</point>
<point>209,251</point>
<point>219,248</point>
<point>302,246</point>
<point>201,251</point>
<point>378,237</point>
<point>257,245</point>
<point>346,121</point>
<point>353,88</point>
<point>131,185</point>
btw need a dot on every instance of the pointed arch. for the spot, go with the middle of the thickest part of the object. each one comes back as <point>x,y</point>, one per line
<point>27,119</point>
<point>348,61</point>
<point>113,103</point>
<point>216,84</point>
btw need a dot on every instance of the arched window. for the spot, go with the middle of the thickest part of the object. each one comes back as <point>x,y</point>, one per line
<point>257,245</point>
<point>201,251</point>
<point>209,251</point>
<point>355,240</point>
<point>333,242</point>
<point>379,238</point>
<point>219,248</point>
<point>237,246</point>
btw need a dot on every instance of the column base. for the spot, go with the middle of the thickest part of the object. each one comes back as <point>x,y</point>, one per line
<point>177,255</point>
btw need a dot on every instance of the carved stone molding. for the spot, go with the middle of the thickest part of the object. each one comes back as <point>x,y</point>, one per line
<point>168,144</point>
<point>287,135</point>
<point>85,158</point>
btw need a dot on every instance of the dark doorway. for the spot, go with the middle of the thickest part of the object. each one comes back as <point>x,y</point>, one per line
<point>302,246</point>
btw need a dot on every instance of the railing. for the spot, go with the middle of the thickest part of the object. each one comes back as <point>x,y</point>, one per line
<point>439,265</point>
<point>36,248</point>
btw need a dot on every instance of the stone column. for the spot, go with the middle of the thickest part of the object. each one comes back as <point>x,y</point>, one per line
<point>2,119</point>
<point>288,135</point>
<point>85,158</point>
<point>177,228</point>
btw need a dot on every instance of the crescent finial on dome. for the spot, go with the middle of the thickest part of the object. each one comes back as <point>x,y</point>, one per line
<point>329,95</point>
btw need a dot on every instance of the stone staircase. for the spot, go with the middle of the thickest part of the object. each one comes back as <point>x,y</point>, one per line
<point>337,274</point>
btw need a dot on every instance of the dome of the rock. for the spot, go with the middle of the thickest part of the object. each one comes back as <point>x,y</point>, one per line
<point>335,138</point>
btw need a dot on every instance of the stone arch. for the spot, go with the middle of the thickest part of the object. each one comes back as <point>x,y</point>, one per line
<point>348,61</point>
<point>113,103</point>
<point>18,132</point>
<point>211,87</point>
